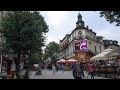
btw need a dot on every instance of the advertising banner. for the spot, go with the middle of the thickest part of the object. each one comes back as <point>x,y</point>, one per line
<point>81,45</point>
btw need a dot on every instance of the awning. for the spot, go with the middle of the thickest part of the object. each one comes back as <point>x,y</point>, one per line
<point>71,60</point>
<point>103,55</point>
<point>62,61</point>
<point>114,53</point>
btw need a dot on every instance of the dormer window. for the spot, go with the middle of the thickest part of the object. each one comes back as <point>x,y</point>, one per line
<point>80,34</point>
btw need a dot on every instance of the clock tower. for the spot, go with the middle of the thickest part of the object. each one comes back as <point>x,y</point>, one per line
<point>80,22</point>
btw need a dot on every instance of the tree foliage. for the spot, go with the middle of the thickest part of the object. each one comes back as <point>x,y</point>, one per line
<point>111,16</point>
<point>45,56</point>
<point>35,58</point>
<point>52,48</point>
<point>24,30</point>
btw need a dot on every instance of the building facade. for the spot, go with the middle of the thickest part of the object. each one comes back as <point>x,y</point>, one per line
<point>81,44</point>
<point>111,44</point>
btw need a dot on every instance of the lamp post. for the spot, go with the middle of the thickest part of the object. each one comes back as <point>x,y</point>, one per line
<point>39,72</point>
<point>1,57</point>
<point>1,64</point>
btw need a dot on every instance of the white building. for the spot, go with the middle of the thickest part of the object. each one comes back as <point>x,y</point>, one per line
<point>80,36</point>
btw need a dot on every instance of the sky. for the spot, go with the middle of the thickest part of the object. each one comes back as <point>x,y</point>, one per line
<point>63,22</point>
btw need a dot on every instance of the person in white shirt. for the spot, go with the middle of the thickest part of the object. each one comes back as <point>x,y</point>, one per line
<point>53,69</point>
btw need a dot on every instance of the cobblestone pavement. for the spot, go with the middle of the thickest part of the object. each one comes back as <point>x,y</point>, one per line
<point>46,74</point>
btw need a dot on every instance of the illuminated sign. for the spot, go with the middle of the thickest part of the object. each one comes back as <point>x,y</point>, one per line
<point>81,45</point>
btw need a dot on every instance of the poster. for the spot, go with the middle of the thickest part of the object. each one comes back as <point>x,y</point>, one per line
<point>81,45</point>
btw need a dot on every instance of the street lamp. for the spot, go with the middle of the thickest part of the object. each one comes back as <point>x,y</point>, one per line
<point>1,57</point>
<point>1,63</point>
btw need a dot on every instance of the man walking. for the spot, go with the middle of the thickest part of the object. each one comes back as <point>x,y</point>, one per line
<point>78,73</point>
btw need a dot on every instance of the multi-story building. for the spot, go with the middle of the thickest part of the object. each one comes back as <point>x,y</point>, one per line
<point>81,44</point>
<point>111,44</point>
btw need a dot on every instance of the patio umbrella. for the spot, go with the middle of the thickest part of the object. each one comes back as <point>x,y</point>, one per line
<point>62,61</point>
<point>103,55</point>
<point>71,60</point>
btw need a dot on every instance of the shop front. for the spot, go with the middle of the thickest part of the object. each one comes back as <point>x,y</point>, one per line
<point>82,52</point>
<point>106,63</point>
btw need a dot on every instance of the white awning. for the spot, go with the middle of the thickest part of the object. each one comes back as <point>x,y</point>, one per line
<point>102,56</point>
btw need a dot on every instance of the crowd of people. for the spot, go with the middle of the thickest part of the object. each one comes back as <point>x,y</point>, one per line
<point>79,70</point>
<point>55,67</point>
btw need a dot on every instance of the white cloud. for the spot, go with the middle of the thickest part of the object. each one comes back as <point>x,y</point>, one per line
<point>63,22</point>
<point>110,32</point>
<point>56,17</point>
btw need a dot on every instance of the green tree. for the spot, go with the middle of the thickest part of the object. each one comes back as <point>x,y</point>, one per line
<point>45,56</point>
<point>111,16</point>
<point>35,58</point>
<point>24,32</point>
<point>51,49</point>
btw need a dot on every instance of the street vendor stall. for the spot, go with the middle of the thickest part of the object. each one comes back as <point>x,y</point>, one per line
<point>107,62</point>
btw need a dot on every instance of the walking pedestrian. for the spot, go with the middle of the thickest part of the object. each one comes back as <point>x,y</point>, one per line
<point>78,72</point>
<point>91,70</point>
<point>13,68</point>
<point>57,67</point>
<point>118,71</point>
<point>82,69</point>
<point>87,70</point>
<point>74,65</point>
<point>53,68</point>
<point>62,68</point>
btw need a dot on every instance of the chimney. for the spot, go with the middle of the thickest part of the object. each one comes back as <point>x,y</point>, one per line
<point>90,29</point>
<point>87,27</point>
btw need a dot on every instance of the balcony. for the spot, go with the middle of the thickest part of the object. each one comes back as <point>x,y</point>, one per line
<point>65,44</point>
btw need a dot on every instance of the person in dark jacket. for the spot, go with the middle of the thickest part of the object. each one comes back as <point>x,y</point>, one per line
<point>82,69</point>
<point>78,73</point>
<point>74,65</point>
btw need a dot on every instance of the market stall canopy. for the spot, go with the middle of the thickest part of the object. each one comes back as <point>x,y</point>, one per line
<point>62,61</point>
<point>103,55</point>
<point>71,60</point>
<point>114,53</point>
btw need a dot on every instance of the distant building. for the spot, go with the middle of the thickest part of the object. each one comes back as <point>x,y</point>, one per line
<point>81,44</point>
<point>111,44</point>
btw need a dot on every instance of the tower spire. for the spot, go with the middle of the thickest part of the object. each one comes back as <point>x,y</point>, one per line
<point>79,16</point>
<point>80,22</point>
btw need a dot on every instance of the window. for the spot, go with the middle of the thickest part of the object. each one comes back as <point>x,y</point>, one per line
<point>89,43</point>
<point>95,49</point>
<point>94,37</point>
<point>100,48</point>
<point>80,34</point>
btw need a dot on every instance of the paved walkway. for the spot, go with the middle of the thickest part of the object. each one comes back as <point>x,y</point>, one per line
<point>58,75</point>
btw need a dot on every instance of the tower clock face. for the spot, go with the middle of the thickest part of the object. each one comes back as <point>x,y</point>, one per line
<point>79,24</point>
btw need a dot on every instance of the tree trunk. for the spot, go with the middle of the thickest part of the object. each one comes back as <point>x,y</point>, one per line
<point>26,75</point>
<point>17,62</point>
